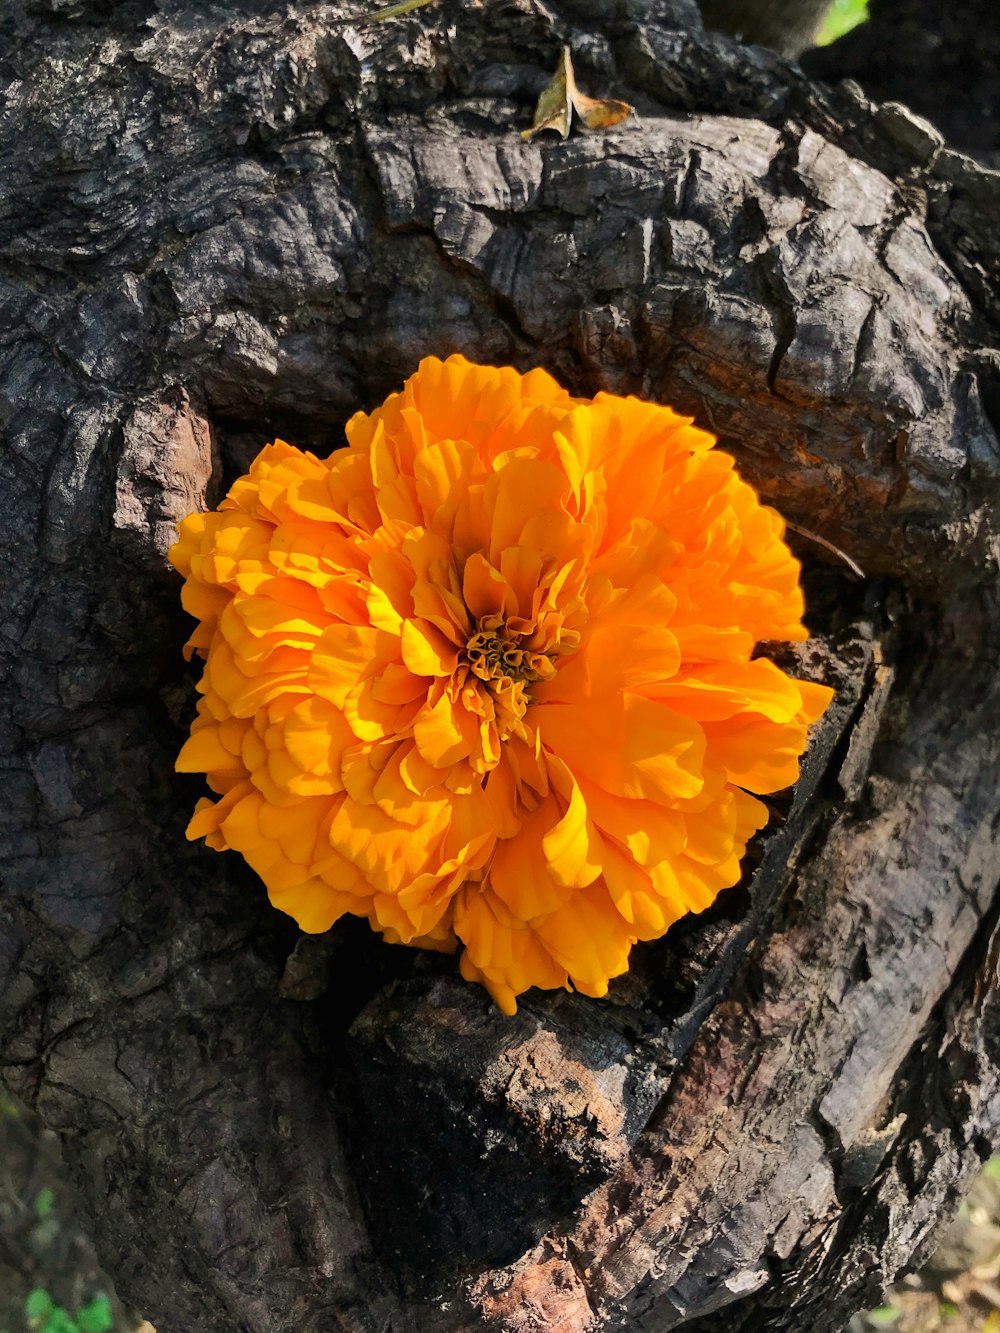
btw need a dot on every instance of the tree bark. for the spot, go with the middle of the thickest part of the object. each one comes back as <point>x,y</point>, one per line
<point>219,225</point>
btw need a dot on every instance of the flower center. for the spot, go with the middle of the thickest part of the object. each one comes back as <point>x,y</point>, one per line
<point>501,661</point>
<point>492,653</point>
<point>497,651</point>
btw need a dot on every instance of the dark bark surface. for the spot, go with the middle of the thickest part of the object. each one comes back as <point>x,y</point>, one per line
<point>219,223</point>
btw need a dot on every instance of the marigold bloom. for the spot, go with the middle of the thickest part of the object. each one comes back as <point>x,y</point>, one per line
<point>485,675</point>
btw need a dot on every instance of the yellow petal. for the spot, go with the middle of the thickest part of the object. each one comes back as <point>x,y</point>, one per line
<point>204,752</point>
<point>715,691</point>
<point>506,955</point>
<point>568,845</point>
<point>389,854</point>
<point>759,755</point>
<point>445,733</point>
<point>632,747</point>
<point>316,733</point>
<point>520,874</point>
<point>523,490</point>
<point>589,938</point>
<point>345,655</point>
<point>816,699</point>
<point>521,568</point>
<point>651,832</point>
<point>484,589</point>
<point>442,473</point>
<point>631,889</point>
<point>426,651</point>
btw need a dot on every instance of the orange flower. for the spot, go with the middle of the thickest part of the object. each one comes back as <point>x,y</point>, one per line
<point>485,675</point>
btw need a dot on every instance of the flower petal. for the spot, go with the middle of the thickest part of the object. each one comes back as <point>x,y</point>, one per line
<point>632,747</point>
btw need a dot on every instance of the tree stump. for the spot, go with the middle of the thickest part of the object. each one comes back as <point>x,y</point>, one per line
<point>222,223</point>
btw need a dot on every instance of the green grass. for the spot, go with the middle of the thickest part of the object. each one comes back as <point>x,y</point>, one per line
<point>886,1316</point>
<point>841,17</point>
<point>44,1316</point>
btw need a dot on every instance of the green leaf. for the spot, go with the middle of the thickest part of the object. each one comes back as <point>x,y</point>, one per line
<point>946,1310</point>
<point>39,1304</point>
<point>59,1321</point>
<point>841,17</point>
<point>883,1316</point>
<point>992,1168</point>
<point>96,1316</point>
<point>44,1200</point>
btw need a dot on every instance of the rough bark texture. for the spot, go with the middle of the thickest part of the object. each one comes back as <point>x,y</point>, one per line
<point>224,222</point>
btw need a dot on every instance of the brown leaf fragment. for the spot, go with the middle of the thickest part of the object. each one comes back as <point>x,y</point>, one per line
<point>600,113</point>
<point>561,97</point>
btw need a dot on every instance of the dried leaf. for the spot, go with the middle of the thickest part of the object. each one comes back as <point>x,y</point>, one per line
<point>561,97</point>
<point>553,111</point>
<point>600,113</point>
